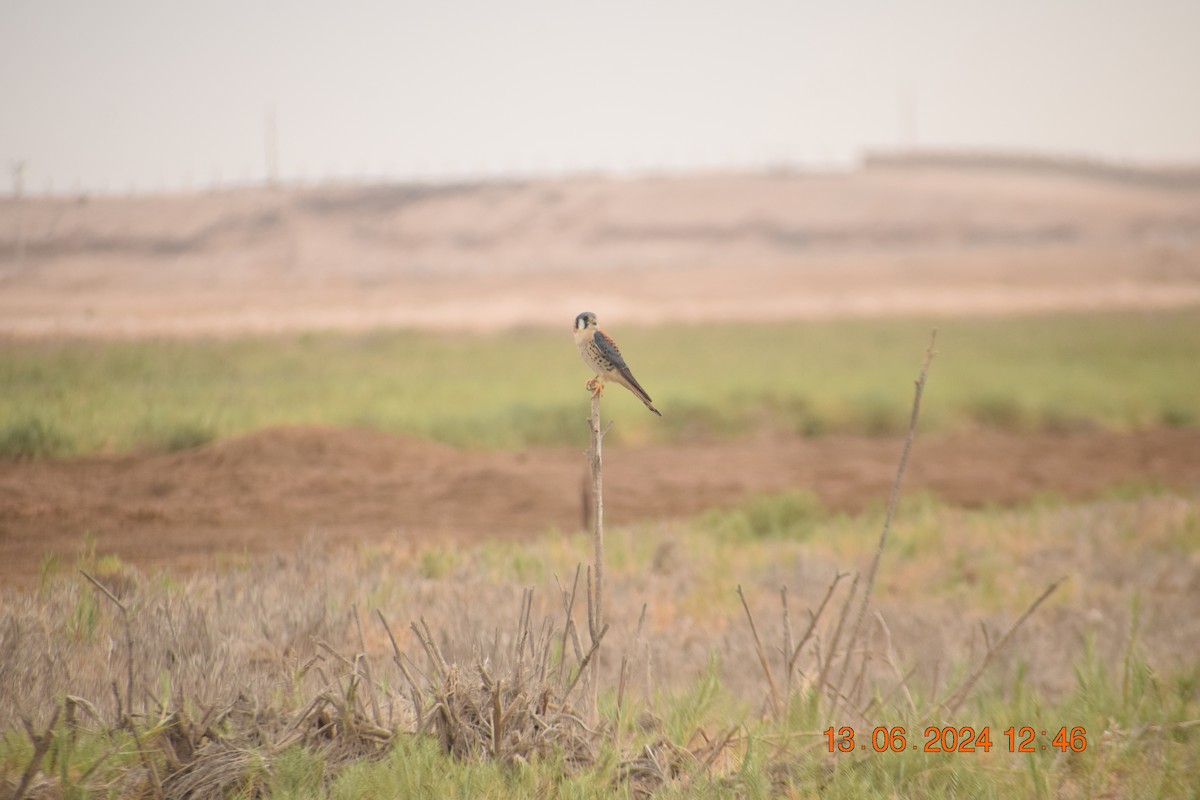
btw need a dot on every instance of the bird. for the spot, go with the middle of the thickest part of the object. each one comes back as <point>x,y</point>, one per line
<point>602,355</point>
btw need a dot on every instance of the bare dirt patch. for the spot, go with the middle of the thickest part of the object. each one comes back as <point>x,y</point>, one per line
<point>270,491</point>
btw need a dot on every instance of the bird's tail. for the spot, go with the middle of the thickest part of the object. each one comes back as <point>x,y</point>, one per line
<point>640,393</point>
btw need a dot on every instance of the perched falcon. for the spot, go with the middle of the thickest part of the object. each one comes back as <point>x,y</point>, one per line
<point>601,354</point>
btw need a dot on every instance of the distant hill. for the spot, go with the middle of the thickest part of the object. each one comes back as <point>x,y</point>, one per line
<point>907,233</point>
<point>1177,176</point>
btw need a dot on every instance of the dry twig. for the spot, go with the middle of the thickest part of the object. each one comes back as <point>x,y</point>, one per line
<point>893,499</point>
<point>959,695</point>
<point>762,656</point>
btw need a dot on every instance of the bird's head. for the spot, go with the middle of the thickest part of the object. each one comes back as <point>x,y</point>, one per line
<point>585,320</point>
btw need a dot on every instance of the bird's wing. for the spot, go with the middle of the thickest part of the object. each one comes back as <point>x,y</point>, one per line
<point>608,348</point>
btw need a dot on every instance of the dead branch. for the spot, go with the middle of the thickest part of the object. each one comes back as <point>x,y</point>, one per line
<point>128,639</point>
<point>762,656</point>
<point>893,499</point>
<point>959,695</point>
<point>586,660</point>
<point>812,621</point>
<point>41,744</point>
<point>412,684</point>
<point>891,658</point>
<point>362,646</point>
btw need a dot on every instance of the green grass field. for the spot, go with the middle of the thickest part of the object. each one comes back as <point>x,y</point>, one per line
<point>520,388</point>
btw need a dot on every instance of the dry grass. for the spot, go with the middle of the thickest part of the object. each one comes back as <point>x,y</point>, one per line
<point>233,669</point>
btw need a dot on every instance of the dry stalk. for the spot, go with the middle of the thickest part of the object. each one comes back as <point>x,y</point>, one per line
<point>569,623</point>
<point>128,641</point>
<point>587,659</point>
<point>425,637</point>
<point>497,721</point>
<point>787,647</point>
<point>813,618</point>
<point>831,654</point>
<point>762,656</point>
<point>144,754</point>
<point>415,694</point>
<point>959,695</point>
<point>891,658</point>
<point>893,499</point>
<point>366,662</point>
<point>41,744</point>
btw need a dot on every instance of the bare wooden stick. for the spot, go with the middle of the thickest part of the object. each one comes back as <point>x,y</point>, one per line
<point>596,624</point>
<point>596,615</point>
<point>959,695</point>
<point>762,656</point>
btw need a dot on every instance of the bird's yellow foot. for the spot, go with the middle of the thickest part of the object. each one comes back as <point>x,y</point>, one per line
<point>595,386</point>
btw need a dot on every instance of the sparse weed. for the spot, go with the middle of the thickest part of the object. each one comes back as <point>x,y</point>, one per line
<point>32,437</point>
<point>438,563</point>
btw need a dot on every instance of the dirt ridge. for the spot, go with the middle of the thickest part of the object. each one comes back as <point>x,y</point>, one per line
<point>268,491</point>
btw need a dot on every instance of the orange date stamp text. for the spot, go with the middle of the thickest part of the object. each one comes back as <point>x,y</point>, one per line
<point>949,739</point>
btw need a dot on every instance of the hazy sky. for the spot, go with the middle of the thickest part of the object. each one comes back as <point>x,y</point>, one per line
<point>121,94</point>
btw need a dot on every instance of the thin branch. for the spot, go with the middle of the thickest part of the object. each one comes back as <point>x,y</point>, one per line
<point>812,622</point>
<point>586,660</point>
<point>418,706</point>
<point>762,656</point>
<point>959,695</point>
<point>41,744</point>
<point>831,655</point>
<point>128,638</point>
<point>362,646</point>
<point>787,647</point>
<point>893,499</point>
<point>891,658</point>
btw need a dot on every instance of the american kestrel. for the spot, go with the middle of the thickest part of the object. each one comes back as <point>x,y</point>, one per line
<point>602,355</point>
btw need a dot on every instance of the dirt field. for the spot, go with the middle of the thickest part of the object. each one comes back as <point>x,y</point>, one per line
<point>269,491</point>
<point>483,257</point>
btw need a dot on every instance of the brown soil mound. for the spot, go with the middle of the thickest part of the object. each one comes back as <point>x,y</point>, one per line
<point>269,491</point>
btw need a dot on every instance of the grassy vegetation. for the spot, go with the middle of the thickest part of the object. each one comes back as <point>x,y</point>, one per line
<point>281,678</point>
<point>262,667</point>
<point>525,387</point>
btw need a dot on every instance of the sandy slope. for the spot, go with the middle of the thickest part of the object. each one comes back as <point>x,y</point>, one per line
<point>876,241</point>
